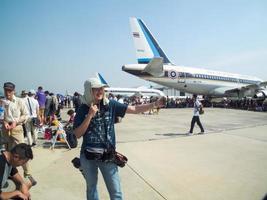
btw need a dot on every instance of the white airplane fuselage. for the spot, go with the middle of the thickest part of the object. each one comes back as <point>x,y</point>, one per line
<point>196,80</point>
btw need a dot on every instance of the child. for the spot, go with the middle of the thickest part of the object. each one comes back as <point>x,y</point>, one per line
<point>71,114</point>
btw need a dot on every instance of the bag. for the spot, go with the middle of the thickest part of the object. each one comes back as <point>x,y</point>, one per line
<point>201,111</point>
<point>35,121</point>
<point>108,156</point>
<point>120,159</point>
<point>93,155</point>
<point>48,134</point>
<point>72,139</point>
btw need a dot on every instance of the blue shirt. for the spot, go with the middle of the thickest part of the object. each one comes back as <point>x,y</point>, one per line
<point>100,131</point>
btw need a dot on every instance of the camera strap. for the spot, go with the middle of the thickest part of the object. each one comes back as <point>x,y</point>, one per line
<point>30,106</point>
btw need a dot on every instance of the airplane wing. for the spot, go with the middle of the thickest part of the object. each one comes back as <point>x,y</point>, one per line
<point>155,67</point>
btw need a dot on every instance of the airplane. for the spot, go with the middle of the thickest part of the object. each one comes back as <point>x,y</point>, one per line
<point>130,92</point>
<point>153,65</point>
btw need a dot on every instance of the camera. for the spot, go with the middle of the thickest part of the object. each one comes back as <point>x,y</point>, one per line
<point>76,162</point>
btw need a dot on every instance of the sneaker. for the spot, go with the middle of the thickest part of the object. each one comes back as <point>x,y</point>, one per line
<point>189,133</point>
<point>202,132</point>
<point>32,180</point>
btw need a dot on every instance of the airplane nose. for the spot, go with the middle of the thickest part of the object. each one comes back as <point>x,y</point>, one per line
<point>123,68</point>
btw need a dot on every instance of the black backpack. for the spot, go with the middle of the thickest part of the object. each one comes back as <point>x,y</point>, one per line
<point>72,139</point>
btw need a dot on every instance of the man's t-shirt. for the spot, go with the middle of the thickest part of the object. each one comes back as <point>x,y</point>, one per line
<point>6,170</point>
<point>101,129</point>
<point>41,99</point>
<point>197,106</point>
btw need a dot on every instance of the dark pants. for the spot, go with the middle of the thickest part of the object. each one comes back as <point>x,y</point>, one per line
<point>194,120</point>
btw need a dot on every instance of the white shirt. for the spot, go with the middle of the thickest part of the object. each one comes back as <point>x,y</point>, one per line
<point>15,110</point>
<point>31,101</point>
<point>197,106</point>
<point>120,100</point>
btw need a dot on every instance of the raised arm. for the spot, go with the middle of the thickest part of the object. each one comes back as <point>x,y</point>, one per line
<point>145,107</point>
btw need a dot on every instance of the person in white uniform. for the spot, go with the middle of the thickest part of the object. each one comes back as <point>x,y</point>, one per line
<point>196,119</point>
<point>31,124</point>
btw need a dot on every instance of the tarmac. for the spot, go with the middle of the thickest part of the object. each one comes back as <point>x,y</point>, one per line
<point>228,162</point>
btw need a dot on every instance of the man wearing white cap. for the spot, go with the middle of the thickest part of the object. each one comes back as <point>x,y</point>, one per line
<point>32,123</point>
<point>94,122</point>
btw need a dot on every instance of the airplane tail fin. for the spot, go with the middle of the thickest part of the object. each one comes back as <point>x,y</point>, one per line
<point>145,44</point>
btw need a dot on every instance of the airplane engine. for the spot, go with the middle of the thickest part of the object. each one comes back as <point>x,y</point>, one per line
<point>261,94</point>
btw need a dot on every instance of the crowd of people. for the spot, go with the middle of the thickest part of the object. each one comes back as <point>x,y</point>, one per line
<point>242,104</point>
<point>21,116</point>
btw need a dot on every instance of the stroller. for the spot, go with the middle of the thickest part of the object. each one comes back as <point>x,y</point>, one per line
<point>58,134</point>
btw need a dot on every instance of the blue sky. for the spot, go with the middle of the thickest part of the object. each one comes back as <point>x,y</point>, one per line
<point>60,43</point>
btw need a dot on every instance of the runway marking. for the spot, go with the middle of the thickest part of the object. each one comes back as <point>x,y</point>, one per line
<point>151,186</point>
